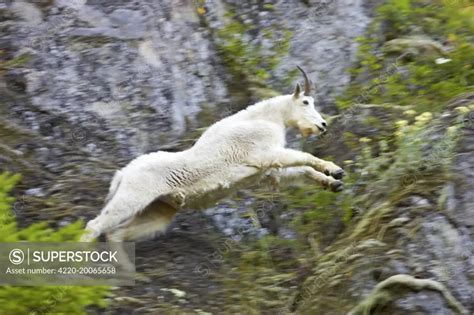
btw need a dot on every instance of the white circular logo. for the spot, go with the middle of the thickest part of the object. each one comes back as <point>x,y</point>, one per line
<point>16,256</point>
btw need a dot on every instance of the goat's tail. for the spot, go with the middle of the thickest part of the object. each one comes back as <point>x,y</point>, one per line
<point>114,184</point>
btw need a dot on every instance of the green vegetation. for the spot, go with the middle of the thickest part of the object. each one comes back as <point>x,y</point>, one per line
<point>262,274</point>
<point>48,299</point>
<point>16,62</point>
<point>414,156</point>
<point>259,277</point>
<point>416,31</point>
<point>247,60</point>
<point>415,81</point>
<point>418,165</point>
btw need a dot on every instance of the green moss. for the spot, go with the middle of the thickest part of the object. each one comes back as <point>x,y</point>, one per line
<point>372,121</point>
<point>16,62</point>
<point>269,6</point>
<point>350,139</point>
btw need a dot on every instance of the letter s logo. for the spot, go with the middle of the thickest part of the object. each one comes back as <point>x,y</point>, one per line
<point>16,256</point>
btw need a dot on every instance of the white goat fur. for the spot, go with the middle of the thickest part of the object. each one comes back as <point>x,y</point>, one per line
<point>235,152</point>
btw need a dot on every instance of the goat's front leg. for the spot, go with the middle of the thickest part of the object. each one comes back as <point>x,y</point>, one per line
<point>289,157</point>
<point>289,175</point>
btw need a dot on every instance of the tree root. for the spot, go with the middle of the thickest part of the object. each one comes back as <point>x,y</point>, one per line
<point>385,292</point>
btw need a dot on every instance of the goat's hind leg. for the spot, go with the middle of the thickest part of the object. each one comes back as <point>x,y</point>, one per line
<point>154,219</point>
<point>115,242</point>
<point>124,206</point>
<point>92,230</point>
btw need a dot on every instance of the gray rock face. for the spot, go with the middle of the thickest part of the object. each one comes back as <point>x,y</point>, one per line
<point>139,66</point>
<point>324,41</point>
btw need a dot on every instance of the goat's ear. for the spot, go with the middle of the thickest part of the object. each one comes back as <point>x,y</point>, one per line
<point>296,94</point>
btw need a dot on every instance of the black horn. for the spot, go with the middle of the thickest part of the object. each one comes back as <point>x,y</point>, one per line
<point>307,84</point>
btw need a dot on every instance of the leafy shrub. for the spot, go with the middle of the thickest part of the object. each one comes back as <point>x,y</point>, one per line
<point>418,162</point>
<point>47,299</point>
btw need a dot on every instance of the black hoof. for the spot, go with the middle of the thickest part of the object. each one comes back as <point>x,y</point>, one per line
<point>336,186</point>
<point>338,174</point>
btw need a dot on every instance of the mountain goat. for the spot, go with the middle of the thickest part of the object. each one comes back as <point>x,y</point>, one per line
<point>235,152</point>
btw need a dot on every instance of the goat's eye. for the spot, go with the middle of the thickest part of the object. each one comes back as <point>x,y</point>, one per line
<point>305,102</point>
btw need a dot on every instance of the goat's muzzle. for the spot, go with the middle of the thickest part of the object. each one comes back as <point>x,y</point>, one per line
<point>306,132</point>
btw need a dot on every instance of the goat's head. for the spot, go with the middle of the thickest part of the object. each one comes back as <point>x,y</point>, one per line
<point>303,114</point>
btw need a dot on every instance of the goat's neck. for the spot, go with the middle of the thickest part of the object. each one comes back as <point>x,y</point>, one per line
<point>274,110</point>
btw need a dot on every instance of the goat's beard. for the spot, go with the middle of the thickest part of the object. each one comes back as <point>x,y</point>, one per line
<point>306,132</point>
